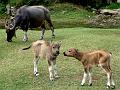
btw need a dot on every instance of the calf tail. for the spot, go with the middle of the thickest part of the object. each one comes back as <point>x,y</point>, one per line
<point>27,48</point>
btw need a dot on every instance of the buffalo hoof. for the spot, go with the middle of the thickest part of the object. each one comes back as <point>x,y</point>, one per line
<point>41,38</point>
<point>25,40</point>
<point>9,40</point>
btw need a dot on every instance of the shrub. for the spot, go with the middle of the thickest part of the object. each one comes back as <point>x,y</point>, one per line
<point>113,6</point>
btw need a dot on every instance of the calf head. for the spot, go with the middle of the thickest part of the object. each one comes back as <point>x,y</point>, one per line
<point>71,52</point>
<point>55,48</point>
<point>10,30</point>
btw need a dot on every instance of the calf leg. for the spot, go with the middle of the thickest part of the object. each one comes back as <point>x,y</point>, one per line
<point>25,38</point>
<point>84,76</point>
<point>109,76</point>
<point>112,81</point>
<point>90,79</point>
<point>51,70</point>
<point>36,66</point>
<point>55,70</point>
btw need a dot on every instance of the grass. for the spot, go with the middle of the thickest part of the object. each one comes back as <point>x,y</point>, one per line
<point>16,66</point>
<point>69,15</point>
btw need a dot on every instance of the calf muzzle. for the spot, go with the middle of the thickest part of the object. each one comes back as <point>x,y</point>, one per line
<point>64,54</point>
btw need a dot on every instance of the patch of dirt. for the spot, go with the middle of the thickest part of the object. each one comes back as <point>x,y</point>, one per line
<point>2,23</point>
<point>106,21</point>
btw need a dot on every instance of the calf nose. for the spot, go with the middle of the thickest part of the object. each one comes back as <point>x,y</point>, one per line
<point>57,52</point>
<point>64,54</point>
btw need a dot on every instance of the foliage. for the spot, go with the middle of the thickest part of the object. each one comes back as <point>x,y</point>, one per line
<point>69,15</point>
<point>66,15</point>
<point>113,6</point>
<point>3,6</point>
<point>16,66</point>
<point>18,3</point>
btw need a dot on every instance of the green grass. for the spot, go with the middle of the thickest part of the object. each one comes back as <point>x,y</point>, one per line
<point>16,66</point>
<point>69,15</point>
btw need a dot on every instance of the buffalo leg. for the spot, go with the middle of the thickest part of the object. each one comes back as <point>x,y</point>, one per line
<point>51,27</point>
<point>25,38</point>
<point>43,31</point>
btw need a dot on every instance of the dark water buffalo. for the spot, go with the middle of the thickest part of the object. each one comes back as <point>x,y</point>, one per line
<point>29,17</point>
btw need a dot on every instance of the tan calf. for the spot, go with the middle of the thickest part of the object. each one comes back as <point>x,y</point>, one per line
<point>88,59</point>
<point>46,50</point>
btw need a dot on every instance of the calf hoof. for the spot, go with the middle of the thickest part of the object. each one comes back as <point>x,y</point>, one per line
<point>36,74</point>
<point>82,84</point>
<point>56,77</point>
<point>113,87</point>
<point>90,84</point>
<point>52,79</point>
<point>108,87</point>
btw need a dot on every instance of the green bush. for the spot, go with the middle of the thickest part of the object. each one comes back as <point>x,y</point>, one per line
<point>2,8</point>
<point>113,6</point>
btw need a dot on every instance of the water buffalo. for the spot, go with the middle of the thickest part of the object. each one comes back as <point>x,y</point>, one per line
<point>29,17</point>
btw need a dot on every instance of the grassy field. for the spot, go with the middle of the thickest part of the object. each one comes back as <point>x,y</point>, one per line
<point>16,66</point>
<point>69,15</point>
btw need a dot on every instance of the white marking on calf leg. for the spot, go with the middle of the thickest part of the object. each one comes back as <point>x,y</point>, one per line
<point>36,67</point>
<point>55,72</point>
<point>84,78</point>
<point>90,79</point>
<point>112,82</point>
<point>25,38</point>
<point>51,72</point>
<point>108,80</point>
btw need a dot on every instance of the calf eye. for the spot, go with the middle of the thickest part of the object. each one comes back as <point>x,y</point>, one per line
<point>69,51</point>
<point>53,47</point>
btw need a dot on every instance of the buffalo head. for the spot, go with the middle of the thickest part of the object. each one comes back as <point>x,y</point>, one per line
<point>10,29</point>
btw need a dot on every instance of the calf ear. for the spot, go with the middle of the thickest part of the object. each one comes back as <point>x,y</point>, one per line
<point>51,42</point>
<point>77,50</point>
<point>60,42</point>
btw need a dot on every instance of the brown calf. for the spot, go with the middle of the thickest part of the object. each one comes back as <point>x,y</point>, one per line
<point>46,50</point>
<point>88,59</point>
